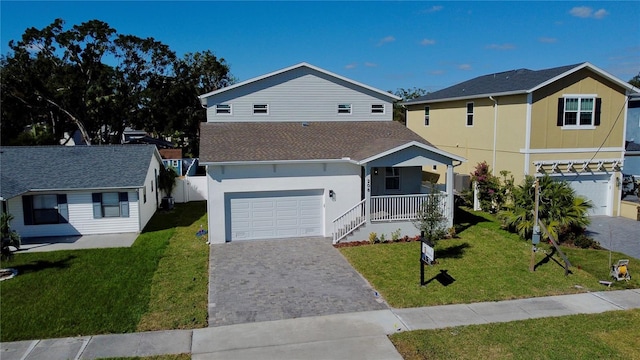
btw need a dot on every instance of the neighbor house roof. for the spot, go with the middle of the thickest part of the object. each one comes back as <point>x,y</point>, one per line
<point>521,81</point>
<point>291,141</point>
<point>392,97</point>
<point>42,168</point>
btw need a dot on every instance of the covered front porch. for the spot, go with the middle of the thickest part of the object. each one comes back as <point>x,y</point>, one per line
<point>393,191</point>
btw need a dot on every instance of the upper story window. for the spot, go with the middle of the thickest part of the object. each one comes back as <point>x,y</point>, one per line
<point>426,116</point>
<point>392,178</point>
<point>344,109</point>
<point>470,114</point>
<point>377,109</point>
<point>223,109</point>
<point>260,109</point>
<point>579,111</point>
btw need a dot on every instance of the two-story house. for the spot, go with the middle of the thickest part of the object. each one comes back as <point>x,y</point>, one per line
<point>304,152</point>
<point>567,122</point>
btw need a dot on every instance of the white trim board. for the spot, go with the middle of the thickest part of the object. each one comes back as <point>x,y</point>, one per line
<point>570,150</point>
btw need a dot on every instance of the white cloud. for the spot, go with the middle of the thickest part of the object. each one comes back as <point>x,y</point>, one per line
<point>587,12</point>
<point>600,14</point>
<point>436,72</point>
<point>501,46</point>
<point>351,66</point>
<point>432,9</point>
<point>370,64</point>
<point>386,39</point>
<point>464,67</point>
<point>426,42</point>
<point>548,40</point>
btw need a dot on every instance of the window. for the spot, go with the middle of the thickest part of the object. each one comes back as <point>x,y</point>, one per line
<point>45,209</point>
<point>223,109</point>
<point>260,109</point>
<point>470,114</point>
<point>377,109</point>
<point>392,178</point>
<point>144,193</point>
<point>110,204</point>
<point>579,111</point>
<point>344,109</point>
<point>426,116</point>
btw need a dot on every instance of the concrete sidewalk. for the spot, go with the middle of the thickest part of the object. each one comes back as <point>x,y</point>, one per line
<point>361,335</point>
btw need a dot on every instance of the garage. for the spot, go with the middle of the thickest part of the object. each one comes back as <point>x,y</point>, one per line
<point>595,188</point>
<point>274,214</point>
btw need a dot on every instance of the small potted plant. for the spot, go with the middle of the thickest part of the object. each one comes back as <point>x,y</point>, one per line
<point>166,183</point>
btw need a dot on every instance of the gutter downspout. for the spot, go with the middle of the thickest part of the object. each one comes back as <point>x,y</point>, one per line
<point>495,133</point>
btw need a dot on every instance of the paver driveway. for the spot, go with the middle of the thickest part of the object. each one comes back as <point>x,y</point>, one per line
<point>263,280</point>
<point>616,233</point>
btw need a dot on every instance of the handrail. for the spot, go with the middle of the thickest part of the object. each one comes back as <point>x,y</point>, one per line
<point>400,207</point>
<point>348,222</point>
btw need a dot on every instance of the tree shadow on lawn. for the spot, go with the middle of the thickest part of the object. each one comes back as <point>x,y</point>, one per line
<point>464,219</point>
<point>182,215</point>
<point>40,265</point>
<point>452,252</point>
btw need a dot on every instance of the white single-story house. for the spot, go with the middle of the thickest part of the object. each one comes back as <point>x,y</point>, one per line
<point>303,152</point>
<point>79,190</point>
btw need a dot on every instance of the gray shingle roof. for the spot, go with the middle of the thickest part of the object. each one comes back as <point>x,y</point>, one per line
<point>25,168</point>
<point>272,141</point>
<point>520,80</point>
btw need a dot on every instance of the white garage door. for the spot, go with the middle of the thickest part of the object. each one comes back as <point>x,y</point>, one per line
<point>268,215</point>
<point>594,188</point>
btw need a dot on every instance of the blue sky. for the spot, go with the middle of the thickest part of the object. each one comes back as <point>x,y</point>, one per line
<point>388,45</point>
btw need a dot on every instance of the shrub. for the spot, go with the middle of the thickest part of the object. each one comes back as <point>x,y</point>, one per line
<point>373,237</point>
<point>395,236</point>
<point>560,209</point>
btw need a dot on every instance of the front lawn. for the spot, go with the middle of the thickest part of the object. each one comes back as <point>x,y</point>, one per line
<point>487,264</point>
<point>98,291</point>
<point>609,335</point>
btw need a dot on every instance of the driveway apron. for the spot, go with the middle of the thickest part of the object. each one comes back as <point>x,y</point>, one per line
<point>264,280</point>
<point>616,233</point>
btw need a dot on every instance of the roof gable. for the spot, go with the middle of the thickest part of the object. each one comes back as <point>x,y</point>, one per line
<point>512,82</point>
<point>281,72</point>
<point>313,141</point>
<point>38,168</point>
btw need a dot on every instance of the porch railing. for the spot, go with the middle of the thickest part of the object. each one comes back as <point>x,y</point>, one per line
<point>401,207</point>
<point>348,222</point>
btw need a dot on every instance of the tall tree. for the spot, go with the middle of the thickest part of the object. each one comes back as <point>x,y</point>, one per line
<point>56,74</point>
<point>399,113</point>
<point>92,79</point>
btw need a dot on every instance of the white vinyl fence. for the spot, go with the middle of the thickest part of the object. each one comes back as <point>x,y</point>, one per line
<point>190,188</point>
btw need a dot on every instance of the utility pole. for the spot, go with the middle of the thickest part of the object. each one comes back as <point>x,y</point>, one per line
<point>535,238</point>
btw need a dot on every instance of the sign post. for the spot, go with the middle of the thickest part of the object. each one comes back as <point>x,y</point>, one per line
<point>427,256</point>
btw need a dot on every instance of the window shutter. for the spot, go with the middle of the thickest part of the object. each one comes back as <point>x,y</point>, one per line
<point>596,120</point>
<point>124,204</point>
<point>97,205</point>
<point>63,209</point>
<point>27,209</point>
<point>560,111</point>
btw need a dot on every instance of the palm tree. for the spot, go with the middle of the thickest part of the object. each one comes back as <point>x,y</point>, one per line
<point>8,236</point>
<point>560,209</point>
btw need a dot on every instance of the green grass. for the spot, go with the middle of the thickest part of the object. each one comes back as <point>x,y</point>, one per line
<point>487,264</point>
<point>179,289</point>
<point>610,335</point>
<point>98,291</point>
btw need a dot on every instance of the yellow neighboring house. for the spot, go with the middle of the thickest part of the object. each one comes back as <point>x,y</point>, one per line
<point>567,122</point>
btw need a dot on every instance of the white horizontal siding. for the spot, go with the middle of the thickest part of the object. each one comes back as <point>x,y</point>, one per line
<point>299,95</point>
<point>81,221</point>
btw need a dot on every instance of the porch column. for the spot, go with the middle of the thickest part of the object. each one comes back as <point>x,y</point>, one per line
<point>367,193</point>
<point>449,202</point>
